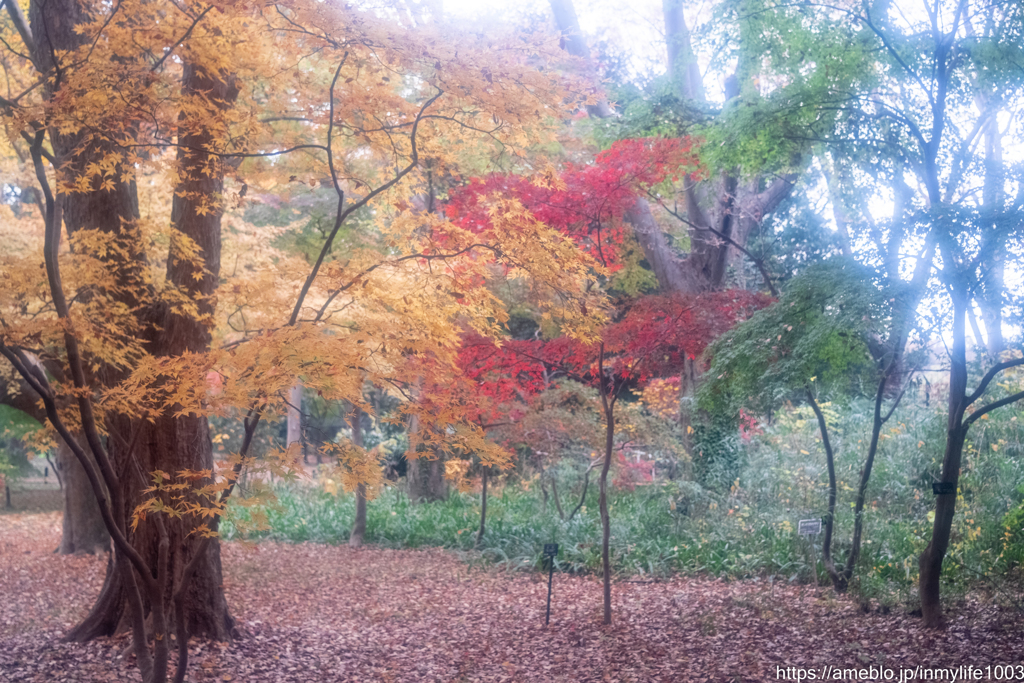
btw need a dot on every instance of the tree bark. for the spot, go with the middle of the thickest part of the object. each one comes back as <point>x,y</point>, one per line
<point>83,530</point>
<point>608,408</point>
<point>930,562</point>
<point>294,418</point>
<point>483,509</point>
<point>168,443</point>
<point>683,70</point>
<point>425,479</point>
<point>355,539</point>
<point>602,503</point>
<point>839,582</point>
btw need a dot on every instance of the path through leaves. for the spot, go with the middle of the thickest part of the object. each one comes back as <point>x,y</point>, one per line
<point>312,613</point>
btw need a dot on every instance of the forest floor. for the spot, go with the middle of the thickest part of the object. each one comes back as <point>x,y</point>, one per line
<point>311,613</point>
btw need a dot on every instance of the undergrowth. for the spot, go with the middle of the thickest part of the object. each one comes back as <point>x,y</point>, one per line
<point>745,529</point>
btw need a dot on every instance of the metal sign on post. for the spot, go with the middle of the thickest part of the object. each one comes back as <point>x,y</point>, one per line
<point>809,527</point>
<point>550,551</point>
<point>943,488</point>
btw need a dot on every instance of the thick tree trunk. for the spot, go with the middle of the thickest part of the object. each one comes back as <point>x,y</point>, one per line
<point>425,479</point>
<point>170,445</point>
<point>83,530</point>
<point>355,539</point>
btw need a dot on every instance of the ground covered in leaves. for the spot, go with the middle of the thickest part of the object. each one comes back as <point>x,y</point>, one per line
<point>319,613</point>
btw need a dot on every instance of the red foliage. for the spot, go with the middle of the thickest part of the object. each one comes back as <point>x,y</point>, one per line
<point>630,473</point>
<point>652,340</point>
<point>659,333</point>
<point>749,426</point>
<point>586,202</point>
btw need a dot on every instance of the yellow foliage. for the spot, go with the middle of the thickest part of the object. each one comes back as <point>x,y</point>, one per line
<point>329,98</point>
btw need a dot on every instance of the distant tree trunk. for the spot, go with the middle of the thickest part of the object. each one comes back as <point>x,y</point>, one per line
<point>294,417</point>
<point>355,539</point>
<point>483,508</point>
<point>554,496</point>
<point>83,531</point>
<point>574,44</point>
<point>425,479</point>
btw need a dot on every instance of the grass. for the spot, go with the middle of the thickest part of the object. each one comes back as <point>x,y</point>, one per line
<point>678,527</point>
<point>647,536</point>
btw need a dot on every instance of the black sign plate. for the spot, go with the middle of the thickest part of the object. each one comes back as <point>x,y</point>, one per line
<point>941,488</point>
<point>809,527</point>
<point>550,549</point>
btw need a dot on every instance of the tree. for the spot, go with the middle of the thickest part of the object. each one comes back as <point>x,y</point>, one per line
<point>911,130</point>
<point>130,95</point>
<point>355,538</point>
<point>828,335</point>
<point>722,208</point>
<point>82,528</point>
<point>647,340</point>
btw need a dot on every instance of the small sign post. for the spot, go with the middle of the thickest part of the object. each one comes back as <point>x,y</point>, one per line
<point>550,551</point>
<point>943,488</point>
<point>811,527</point>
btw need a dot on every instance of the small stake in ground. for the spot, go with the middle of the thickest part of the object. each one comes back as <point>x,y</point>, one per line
<point>811,527</point>
<point>550,551</point>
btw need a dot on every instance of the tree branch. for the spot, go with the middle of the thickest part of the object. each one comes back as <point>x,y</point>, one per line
<point>989,376</point>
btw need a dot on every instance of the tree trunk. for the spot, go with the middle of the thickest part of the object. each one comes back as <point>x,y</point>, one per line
<point>294,424</point>
<point>425,479</point>
<point>608,408</point>
<point>171,445</point>
<point>483,509</point>
<point>554,496</point>
<point>83,531</point>
<point>355,539</point>
<point>606,526</point>
<point>839,581</point>
<point>930,563</point>
<point>574,44</point>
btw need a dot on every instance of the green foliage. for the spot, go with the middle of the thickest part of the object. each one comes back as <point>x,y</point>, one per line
<point>739,521</point>
<point>650,532</point>
<point>815,335</point>
<point>14,454</point>
<point>1013,538</point>
<point>717,455</point>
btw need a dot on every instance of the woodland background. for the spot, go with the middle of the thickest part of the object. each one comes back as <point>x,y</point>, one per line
<point>372,273</point>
